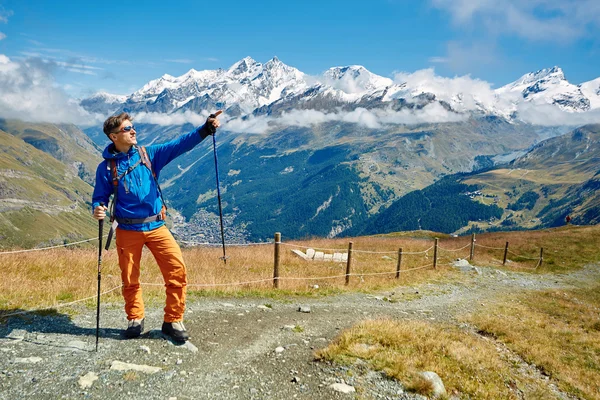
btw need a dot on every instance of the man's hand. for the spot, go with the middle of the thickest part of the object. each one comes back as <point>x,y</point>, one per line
<point>212,123</point>
<point>100,212</point>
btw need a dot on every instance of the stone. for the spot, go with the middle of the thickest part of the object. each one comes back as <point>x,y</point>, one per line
<point>122,366</point>
<point>328,257</point>
<point>310,253</point>
<point>318,256</point>
<point>279,350</point>
<point>17,334</point>
<point>436,382</point>
<point>77,345</point>
<point>300,254</point>
<point>145,349</point>
<point>87,380</point>
<point>304,309</point>
<point>342,388</point>
<point>461,263</point>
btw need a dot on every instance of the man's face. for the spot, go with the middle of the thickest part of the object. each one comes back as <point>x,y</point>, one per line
<point>125,136</point>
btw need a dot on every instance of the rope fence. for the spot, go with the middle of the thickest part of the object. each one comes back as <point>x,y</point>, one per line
<point>349,256</point>
<point>56,306</point>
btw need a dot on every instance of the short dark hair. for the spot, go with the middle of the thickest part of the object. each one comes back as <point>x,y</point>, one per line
<point>114,122</point>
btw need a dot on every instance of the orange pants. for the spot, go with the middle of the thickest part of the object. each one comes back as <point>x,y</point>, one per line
<point>168,256</point>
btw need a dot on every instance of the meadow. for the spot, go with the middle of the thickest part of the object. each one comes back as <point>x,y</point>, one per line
<point>556,331</point>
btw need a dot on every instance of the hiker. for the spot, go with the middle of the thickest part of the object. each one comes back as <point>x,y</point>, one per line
<point>131,173</point>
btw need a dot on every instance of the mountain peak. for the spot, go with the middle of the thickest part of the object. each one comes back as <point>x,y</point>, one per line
<point>554,74</point>
<point>246,66</point>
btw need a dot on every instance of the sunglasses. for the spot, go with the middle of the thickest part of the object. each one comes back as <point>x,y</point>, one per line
<point>126,129</point>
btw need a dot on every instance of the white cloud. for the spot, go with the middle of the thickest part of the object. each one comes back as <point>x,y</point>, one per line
<point>370,119</point>
<point>2,36</point>
<point>4,14</point>
<point>546,20</point>
<point>462,91</point>
<point>29,93</point>
<point>549,115</point>
<point>172,119</point>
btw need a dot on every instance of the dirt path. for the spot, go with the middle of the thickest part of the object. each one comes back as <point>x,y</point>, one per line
<point>248,348</point>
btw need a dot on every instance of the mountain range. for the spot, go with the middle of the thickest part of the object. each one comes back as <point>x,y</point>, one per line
<point>324,155</point>
<point>249,87</point>
<point>348,152</point>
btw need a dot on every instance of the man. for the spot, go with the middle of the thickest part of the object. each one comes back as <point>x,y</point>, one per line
<point>139,209</point>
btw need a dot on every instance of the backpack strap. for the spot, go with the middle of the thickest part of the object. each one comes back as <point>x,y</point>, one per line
<point>146,161</point>
<point>115,182</point>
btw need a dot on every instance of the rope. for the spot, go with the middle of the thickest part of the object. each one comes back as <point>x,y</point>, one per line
<point>355,250</point>
<point>315,248</point>
<point>59,305</point>
<point>418,252</point>
<point>487,247</point>
<point>527,258</point>
<point>462,248</point>
<point>213,284</point>
<point>414,269</point>
<point>207,244</point>
<point>374,252</point>
<point>50,247</point>
<point>312,279</point>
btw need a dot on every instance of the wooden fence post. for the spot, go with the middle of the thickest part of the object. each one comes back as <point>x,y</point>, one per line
<point>276,262</point>
<point>348,263</point>
<point>435,252</point>
<point>505,254</point>
<point>541,257</point>
<point>399,263</point>
<point>472,247</point>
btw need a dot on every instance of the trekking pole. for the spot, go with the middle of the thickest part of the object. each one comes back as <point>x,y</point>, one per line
<point>100,229</point>
<point>224,258</point>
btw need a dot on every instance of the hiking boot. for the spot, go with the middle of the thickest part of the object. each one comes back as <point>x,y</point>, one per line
<point>135,327</point>
<point>175,330</point>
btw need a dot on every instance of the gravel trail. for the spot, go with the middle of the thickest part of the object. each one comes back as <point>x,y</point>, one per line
<point>239,348</point>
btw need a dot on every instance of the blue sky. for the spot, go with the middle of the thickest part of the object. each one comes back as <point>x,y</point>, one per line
<point>118,46</point>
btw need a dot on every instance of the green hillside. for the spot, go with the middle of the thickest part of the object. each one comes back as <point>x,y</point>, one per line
<point>559,177</point>
<point>42,200</point>
<point>64,142</point>
<point>322,180</point>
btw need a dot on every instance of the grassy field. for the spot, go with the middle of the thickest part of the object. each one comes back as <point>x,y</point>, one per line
<point>67,274</point>
<point>556,331</point>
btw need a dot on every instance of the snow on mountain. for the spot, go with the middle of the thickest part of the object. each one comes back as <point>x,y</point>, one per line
<point>103,103</point>
<point>354,81</point>
<point>250,87</point>
<point>109,98</point>
<point>591,90</point>
<point>546,86</point>
<point>246,85</point>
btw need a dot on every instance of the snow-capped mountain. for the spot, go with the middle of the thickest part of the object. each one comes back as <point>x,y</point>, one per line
<point>250,87</point>
<point>549,86</point>
<point>103,102</point>
<point>245,86</point>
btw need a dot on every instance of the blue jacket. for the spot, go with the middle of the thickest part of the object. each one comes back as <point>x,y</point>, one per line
<point>138,195</point>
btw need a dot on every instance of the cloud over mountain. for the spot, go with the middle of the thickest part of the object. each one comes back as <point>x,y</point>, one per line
<point>29,92</point>
<point>260,97</point>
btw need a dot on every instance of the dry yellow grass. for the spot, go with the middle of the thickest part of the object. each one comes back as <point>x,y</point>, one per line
<point>558,331</point>
<point>469,365</point>
<point>58,276</point>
